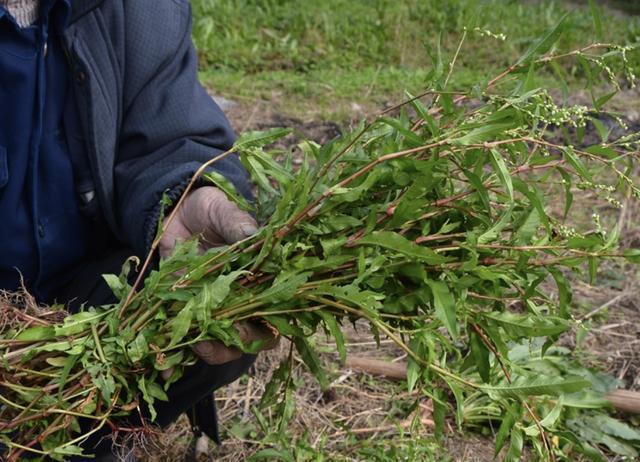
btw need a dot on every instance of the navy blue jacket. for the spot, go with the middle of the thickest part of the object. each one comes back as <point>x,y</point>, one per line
<point>146,123</point>
<point>43,232</point>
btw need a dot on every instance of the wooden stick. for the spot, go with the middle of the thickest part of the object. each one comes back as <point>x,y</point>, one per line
<point>625,401</point>
<point>393,371</point>
<point>622,400</point>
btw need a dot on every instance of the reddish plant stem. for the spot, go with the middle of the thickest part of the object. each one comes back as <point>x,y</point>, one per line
<point>335,158</point>
<point>54,427</point>
<point>437,237</point>
<point>286,229</point>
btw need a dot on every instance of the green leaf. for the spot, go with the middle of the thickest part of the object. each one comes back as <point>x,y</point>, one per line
<point>526,386</point>
<point>593,270</point>
<point>481,356</point>
<point>271,454</point>
<point>614,427</point>
<point>170,361</point>
<point>511,415</point>
<point>156,391</point>
<point>68,451</point>
<point>423,112</point>
<point>595,435</point>
<point>180,325</point>
<point>106,385</point>
<point>138,349</point>
<point>355,193</point>
<point>602,151</point>
<point>552,417</point>
<point>212,295</point>
<point>118,284</point>
<point>514,453</point>
<point>114,283</point>
<point>587,399</point>
<point>492,233</point>
<point>439,412</point>
<point>222,183</point>
<point>73,347</point>
<point>36,334</point>
<point>258,139</point>
<point>413,139</point>
<point>64,374</point>
<point>445,306</point>
<point>365,299</point>
<point>603,132</point>
<point>396,242</point>
<point>258,173</point>
<point>619,447</point>
<point>597,19</point>
<point>535,197</point>
<point>284,287</point>
<point>632,255</point>
<point>568,195</point>
<point>502,171</point>
<point>545,42</point>
<point>484,133</point>
<point>481,190</point>
<point>149,399</point>
<point>576,163</point>
<point>414,369</point>
<point>278,378</point>
<point>528,229</point>
<point>335,331</point>
<point>564,291</point>
<point>78,323</point>
<point>527,325</point>
<point>599,104</point>
<point>283,326</point>
<point>311,360</point>
<point>529,82</point>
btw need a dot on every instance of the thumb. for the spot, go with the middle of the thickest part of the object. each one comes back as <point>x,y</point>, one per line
<point>228,221</point>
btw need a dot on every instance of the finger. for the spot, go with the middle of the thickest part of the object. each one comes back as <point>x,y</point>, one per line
<point>173,234</point>
<point>209,213</point>
<point>167,373</point>
<point>228,221</point>
<point>194,215</point>
<point>251,331</point>
<point>215,353</point>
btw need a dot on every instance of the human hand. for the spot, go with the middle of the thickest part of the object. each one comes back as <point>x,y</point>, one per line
<point>215,353</point>
<point>209,214</point>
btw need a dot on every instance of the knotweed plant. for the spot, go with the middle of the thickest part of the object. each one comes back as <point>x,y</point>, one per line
<point>434,225</point>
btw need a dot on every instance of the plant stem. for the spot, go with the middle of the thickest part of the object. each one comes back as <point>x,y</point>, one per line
<point>384,328</point>
<point>96,339</point>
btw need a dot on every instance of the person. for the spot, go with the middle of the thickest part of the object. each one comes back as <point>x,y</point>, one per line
<point>101,113</point>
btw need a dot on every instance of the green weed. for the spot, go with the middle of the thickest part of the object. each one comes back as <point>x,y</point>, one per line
<point>322,56</point>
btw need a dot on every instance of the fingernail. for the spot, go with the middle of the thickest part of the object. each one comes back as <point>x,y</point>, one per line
<point>248,229</point>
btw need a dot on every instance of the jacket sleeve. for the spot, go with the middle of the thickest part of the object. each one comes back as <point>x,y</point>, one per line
<point>170,125</point>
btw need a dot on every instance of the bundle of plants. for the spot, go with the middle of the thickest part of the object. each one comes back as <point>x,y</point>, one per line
<point>438,226</point>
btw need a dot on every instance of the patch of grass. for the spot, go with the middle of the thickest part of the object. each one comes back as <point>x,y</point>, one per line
<point>325,94</point>
<point>322,56</point>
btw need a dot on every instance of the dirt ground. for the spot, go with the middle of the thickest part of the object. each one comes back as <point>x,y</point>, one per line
<point>373,408</point>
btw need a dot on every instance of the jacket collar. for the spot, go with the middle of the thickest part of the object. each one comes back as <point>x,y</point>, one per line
<point>81,7</point>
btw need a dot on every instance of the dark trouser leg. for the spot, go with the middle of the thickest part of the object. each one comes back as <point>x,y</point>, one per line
<point>198,382</point>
